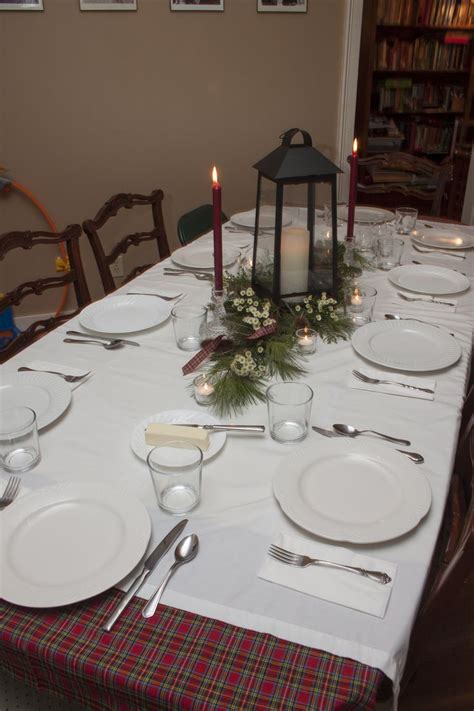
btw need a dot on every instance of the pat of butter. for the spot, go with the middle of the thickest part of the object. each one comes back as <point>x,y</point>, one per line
<point>157,433</point>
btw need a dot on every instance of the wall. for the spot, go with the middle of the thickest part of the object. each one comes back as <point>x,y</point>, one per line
<point>94,103</point>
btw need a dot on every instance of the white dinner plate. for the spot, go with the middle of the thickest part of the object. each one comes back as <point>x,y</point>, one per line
<point>428,279</point>
<point>443,239</point>
<point>181,417</point>
<point>406,345</point>
<point>124,313</point>
<point>266,219</point>
<point>68,542</point>
<point>48,395</point>
<point>366,215</point>
<point>345,490</point>
<point>201,256</point>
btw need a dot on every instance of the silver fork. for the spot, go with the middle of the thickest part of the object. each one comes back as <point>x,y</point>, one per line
<point>67,378</point>
<point>427,301</point>
<point>302,561</point>
<point>377,381</point>
<point>413,261</point>
<point>11,490</point>
<point>437,251</point>
<point>159,296</point>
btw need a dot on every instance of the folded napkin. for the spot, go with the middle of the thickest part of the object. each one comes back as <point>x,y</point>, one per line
<point>353,382</point>
<point>339,586</point>
<point>426,303</point>
<point>45,365</point>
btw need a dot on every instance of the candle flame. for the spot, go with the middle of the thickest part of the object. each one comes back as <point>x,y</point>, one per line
<point>354,146</point>
<point>305,331</point>
<point>214,176</point>
<point>357,291</point>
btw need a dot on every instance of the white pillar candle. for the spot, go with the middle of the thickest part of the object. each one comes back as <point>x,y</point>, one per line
<point>294,260</point>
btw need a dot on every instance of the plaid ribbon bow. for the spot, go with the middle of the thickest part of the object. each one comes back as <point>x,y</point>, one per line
<point>201,355</point>
<point>263,331</point>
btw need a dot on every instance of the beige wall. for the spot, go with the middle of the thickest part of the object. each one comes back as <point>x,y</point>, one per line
<point>94,103</point>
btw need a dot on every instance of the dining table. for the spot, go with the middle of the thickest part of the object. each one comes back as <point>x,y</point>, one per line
<point>227,636</point>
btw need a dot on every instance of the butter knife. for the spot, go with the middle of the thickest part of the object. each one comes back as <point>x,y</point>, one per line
<point>223,428</point>
<point>148,566</point>
<point>101,338</point>
<point>414,456</point>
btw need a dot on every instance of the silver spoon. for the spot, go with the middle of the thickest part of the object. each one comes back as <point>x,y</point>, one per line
<point>396,317</point>
<point>353,432</point>
<point>414,456</point>
<point>184,552</point>
<point>110,345</point>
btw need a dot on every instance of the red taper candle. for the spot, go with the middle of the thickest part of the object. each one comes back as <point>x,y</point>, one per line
<point>352,192</point>
<point>217,227</point>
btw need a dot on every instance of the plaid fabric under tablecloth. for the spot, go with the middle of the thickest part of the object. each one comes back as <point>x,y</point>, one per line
<point>176,660</point>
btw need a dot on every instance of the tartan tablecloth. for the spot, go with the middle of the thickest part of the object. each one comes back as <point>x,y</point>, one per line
<point>176,660</point>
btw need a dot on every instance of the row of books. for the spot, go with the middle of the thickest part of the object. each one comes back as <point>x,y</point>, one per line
<point>404,96</point>
<point>427,137</point>
<point>454,13</point>
<point>422,53</point>
<point>383,135</point>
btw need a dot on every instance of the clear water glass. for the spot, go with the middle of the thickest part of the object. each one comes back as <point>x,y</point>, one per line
<point>389,252</point>
<point>19,445</point>
<point>189,322</point>
<point>365,244</point>
<point>405,220</point>
<point>175,470</point>
<point>289,409</point>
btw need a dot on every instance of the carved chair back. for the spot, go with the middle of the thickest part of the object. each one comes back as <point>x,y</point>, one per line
<point>406,174</point>
<point>74,275</point>
<point>104,260</point>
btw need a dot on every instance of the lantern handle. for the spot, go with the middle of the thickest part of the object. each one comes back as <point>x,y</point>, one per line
<point>286,136</point>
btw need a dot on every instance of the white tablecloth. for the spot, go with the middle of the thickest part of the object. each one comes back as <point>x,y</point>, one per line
<point>238,516</point>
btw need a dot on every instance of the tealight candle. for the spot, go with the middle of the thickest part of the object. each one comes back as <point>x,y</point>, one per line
<point>203,389</point>
<point>306,340</point>
<point>357,301</point>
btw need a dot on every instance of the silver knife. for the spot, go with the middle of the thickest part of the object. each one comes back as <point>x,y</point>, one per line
<point>223,428</point>
<point>414,456</point>
<point>148,566</point>
<point>101,338</point>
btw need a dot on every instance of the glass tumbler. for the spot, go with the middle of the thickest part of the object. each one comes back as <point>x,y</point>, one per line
<point>289,410</point>
<point>389,251</point>
<point>19,445</point>
<point>405,220</point>
<point>189,322</point>
<point>175,470</point>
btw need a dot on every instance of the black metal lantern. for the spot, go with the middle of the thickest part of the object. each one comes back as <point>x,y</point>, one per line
<point>288,261</point>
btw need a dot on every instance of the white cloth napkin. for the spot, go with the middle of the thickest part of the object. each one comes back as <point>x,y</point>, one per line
<point>339,586</point>
<point>64,369</point>
<point>426,303</point>
<point>353,382</point>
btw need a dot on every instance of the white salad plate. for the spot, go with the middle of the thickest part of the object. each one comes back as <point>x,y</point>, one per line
<point>428,279</point>
<point>178,417</point>
<point>360,492</point>
<point>443,239</point>
<point>124,313</point>
<point>68,542</point>
<point>48,395</point>
<point>406,345</point>
<point>366,215</point>
<point>201,256</point>
<point>266,219</point>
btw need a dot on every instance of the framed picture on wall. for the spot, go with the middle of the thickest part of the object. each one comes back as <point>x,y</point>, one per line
<point>216,5</point>
<point>108,4</point>
<point>282,5</point>
<point>21,4</point>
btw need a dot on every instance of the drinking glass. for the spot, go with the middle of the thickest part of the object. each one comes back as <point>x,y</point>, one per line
<point>360,303</point>
<point>175,470</point>
<point>189,321</point>
<point>19,445</point>
<point>405,220</point>
<point>365,244</point>
<point>289,410</point>
<point>389,251</point>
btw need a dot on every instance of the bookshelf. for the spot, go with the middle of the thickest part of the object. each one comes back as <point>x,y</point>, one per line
<point>415,91</point>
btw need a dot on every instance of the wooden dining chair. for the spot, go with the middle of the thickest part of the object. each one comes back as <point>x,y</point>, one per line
<point>406,175</point>
<point>104,259</point>
<point>32,242</point>
<point>453,560</point>
<point>195,223</point>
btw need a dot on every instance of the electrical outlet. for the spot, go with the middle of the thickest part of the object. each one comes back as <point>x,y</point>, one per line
<point>117,267</point>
